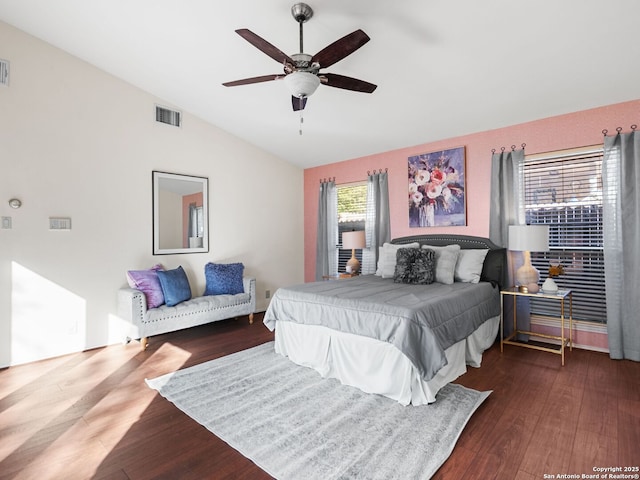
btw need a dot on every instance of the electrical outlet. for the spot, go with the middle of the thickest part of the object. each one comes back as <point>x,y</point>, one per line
<point>6,222</point>
<point>267,294</point>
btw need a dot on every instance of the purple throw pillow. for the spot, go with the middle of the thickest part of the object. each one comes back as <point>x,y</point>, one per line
<point>148,283</point>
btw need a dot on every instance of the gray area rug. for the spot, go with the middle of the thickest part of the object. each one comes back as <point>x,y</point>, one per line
<point>297,425</point>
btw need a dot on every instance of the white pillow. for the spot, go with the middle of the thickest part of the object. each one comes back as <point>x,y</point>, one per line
<point>381,260</point>
<point>446,258</point>
<point>469,266</point>
<point>387,258</point>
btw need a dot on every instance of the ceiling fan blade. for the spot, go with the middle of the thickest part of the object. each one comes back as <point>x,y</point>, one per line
<point>264,46</point>
<point>247,81</point>
<point>298,103</point>
<point>348,83</point>
<point>340,48</point>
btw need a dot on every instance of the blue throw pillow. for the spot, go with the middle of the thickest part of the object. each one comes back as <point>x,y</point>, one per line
<point>223,278</point>
<point>175,286</point>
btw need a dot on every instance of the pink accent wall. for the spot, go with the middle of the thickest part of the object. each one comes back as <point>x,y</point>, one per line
<point>591,340</point>
<point>572,130</point>
<point>555,133</point>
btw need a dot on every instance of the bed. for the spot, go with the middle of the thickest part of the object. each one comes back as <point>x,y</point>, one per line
<point>401,340</point>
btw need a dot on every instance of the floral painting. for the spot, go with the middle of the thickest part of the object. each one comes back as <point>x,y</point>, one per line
<point>436,189</point>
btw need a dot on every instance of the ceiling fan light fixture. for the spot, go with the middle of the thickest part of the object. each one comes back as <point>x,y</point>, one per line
<point>301,84</point>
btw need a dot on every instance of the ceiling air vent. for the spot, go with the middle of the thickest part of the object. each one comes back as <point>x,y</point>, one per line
<point>170,117</point>
<point>4,72</point>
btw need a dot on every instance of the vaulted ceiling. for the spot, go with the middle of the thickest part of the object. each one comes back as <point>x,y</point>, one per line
<point>443,68</point>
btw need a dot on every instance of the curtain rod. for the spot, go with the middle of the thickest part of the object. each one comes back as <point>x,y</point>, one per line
<point>619,129</point>
<point>513,147</point>
<point>566,153</point>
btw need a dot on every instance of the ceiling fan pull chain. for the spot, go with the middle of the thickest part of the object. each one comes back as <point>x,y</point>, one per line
<point>301,121</point>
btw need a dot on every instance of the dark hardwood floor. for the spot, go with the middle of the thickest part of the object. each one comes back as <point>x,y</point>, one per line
<point>90,415</point>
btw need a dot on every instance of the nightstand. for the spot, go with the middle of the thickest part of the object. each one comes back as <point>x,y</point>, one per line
<point>348,275</point>
<point>560,296</point>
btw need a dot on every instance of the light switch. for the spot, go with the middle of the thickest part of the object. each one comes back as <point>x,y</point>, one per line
<point>6,223</point>
<point>59,223</point>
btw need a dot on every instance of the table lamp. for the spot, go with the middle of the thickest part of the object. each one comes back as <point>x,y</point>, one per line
<point>527,239</point>
<point>354,239</point>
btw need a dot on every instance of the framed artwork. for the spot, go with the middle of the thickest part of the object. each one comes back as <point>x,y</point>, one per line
<point>437,189</point>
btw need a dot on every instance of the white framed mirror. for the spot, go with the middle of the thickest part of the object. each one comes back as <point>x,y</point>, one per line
<point>180,213</point>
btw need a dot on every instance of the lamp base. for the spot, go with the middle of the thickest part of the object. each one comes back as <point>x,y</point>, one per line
<point>527,274</point>
<point>353,265</point>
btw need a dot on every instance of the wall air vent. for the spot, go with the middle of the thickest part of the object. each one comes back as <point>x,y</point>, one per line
<point>170,117</point>
<point>4,73</point>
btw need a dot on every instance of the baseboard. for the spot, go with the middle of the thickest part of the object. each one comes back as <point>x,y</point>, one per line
<point>589,328</point>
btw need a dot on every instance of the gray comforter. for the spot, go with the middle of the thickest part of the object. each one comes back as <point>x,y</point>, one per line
<point>422,321</point>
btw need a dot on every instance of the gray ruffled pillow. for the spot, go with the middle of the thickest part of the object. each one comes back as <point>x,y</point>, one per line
<point>414,265</point>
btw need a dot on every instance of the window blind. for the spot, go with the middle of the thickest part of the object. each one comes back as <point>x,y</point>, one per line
<point>564,191</point>
<point>352,207</point>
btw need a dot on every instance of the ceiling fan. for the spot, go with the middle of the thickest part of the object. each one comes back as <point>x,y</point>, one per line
<point>302,71</point>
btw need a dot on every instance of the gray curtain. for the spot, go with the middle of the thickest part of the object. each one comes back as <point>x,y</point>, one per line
<point>377,221</point>
<point>507,208</point>
<point>327,235</point>
<point>621,218</point>
<point>193,221</point>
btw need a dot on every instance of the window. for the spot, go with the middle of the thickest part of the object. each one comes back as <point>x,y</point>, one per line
<point>352,206</point>
<point>564,191</point>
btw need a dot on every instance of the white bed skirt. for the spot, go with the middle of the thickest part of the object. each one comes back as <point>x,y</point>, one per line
<point>374,366</point>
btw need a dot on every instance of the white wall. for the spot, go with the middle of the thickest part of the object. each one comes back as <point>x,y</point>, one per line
<point>77,142</point>
<point>170,219</point>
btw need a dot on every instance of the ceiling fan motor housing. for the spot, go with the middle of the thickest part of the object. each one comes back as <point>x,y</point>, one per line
<point>304,64</point>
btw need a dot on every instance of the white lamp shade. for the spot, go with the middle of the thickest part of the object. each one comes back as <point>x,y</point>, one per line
<point>355,239</point>
<point>301,84</point>
<point>529,238</point>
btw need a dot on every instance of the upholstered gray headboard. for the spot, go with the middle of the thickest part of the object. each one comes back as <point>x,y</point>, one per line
<point>495,264</point>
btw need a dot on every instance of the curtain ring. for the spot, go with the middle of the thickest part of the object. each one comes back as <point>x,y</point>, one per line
<point>605,131</point>
<point>619,129</point>
<point>493,150</point>
<point>502,149</point>
<point>513,148</point>
<point>633,127</point>
<point>523,145</point>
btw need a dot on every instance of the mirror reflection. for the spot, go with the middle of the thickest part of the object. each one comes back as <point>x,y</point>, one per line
<point>180,213</point>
